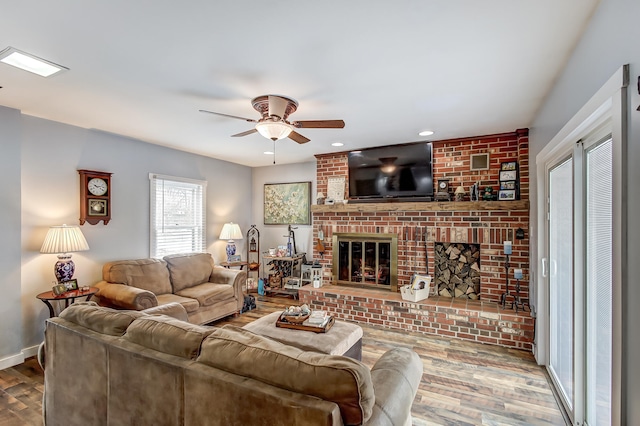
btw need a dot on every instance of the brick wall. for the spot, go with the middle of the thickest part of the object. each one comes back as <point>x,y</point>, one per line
<point>464,319</point>
<point>488,228</point>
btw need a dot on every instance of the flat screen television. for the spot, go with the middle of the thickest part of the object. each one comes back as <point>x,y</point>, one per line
<point>391,172</point>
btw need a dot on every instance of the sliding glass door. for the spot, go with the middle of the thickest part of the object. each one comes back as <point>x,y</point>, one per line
<point>580,279</point>
<point>598,280</point>
<point>560,273</point>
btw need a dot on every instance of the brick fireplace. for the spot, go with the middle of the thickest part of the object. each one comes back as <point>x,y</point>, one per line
<point>419,226</point>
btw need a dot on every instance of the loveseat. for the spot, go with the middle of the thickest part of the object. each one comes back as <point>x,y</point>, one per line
<point>115,367</point>
<point>208,292</point>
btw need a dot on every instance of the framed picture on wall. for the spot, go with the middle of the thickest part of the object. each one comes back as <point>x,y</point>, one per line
<point>507,195</point>
<point>508,175</point>
<point>509,165</point>
<point>509,184</point>
<point>287,203</point>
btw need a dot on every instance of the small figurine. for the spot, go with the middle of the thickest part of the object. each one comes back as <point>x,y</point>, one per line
<point>460,193</point>
<point>488,193</point>
<point>475,192</point>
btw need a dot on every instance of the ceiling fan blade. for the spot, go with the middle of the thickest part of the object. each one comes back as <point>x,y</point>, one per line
<point>250,120</point>
<point>298,137</point>
<point>319,124</point>
<point>277,106</point>
<point>248,132</point>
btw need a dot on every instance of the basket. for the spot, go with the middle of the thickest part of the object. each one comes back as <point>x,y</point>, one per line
<point>414,295</point>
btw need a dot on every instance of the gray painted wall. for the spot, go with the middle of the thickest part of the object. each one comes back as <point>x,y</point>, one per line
<point>610,41</point>
<point>10,299</point>
<point>275,235</point>
<point>40,169</point>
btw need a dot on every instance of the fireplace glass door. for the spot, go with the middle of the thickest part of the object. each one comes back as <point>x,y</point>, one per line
<point>366,261</point>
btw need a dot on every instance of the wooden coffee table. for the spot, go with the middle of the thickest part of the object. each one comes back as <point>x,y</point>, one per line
<point>342,339</point>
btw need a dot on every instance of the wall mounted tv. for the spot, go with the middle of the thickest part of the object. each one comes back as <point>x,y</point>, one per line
<point>391,172</point>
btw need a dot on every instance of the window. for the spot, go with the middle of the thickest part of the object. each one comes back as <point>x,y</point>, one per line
<point>177,215</point>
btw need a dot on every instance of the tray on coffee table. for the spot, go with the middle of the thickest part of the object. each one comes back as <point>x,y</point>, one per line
<point>305,326</point>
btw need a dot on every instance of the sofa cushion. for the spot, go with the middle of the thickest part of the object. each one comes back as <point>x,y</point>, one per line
<point>187,270</point>
<point>168,335</point>
<point>208,293</point>
<point>97,318</point>
<point>147,274</point>
<point>189,304</point>
<point>342,380</point>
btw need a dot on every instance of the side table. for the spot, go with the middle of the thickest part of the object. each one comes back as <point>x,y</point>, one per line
<point>229,265</point>
<point>69,297</point>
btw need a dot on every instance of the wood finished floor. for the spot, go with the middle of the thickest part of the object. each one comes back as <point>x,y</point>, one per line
<point>464,383</point>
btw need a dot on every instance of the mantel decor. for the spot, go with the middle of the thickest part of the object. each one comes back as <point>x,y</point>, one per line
<point>287,203</point>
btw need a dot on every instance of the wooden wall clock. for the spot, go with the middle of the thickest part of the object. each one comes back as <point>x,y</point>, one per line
<point>95,197</point>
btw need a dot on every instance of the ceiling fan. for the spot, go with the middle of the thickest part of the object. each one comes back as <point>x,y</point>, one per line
<point>275,110</point>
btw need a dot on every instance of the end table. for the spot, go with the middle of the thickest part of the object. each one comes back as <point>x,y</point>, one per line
<point>69,297</point>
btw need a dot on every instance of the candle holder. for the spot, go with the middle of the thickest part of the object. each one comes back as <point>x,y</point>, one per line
<point>507,251</point>
<point>503,297</point>
<point>518,302</point>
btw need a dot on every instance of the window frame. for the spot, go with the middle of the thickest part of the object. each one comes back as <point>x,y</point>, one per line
<point>199,227</point>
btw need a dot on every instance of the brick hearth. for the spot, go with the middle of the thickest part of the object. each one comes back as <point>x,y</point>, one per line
<point>473,320</point>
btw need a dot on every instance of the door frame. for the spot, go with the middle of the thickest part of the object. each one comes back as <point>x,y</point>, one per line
<point>609,103</point>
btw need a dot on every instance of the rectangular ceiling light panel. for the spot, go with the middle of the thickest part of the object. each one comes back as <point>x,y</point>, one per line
<point>27,62</point>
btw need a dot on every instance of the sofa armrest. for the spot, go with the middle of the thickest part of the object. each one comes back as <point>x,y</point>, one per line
<point>173,309</point>
<point>235,277</point>
<point>395,376</point>
<point>124,296</point>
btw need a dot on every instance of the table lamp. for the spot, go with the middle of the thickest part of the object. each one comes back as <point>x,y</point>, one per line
<point>231,231</point>
<point>63,240</point>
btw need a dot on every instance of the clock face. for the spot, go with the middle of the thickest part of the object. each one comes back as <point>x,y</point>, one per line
<point>97,186</point>
<point>442,184</point>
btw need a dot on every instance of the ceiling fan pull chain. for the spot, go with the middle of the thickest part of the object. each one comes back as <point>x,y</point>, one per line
<point>274,152</point>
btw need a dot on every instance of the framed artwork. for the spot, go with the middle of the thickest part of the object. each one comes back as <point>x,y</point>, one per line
<point>509,184</point>
<point>70,285</point>
<point>235,258</point>
<point>510,165</point>
<point>508,175</point>
<point>507,195</point>
<point>287,203</point>
<point>335,188</point>
<point>479,161</point>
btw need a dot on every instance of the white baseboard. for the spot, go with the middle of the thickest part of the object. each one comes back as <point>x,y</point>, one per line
<point>29,352</point>
<point>12,360</point>
<point>16,359</point>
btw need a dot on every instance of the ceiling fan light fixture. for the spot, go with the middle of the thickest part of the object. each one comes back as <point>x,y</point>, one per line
<point>273,130</point>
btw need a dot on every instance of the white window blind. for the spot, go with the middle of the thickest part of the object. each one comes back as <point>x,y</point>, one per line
<point>177,215</point>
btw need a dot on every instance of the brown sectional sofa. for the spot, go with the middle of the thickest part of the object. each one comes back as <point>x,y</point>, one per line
<point>111,367</point>
<point>206,291</point>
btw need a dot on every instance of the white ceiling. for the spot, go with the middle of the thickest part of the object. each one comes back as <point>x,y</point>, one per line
<point>389,69</point>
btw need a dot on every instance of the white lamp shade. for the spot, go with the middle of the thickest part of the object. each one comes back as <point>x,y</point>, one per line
<point>231,231</point>
<point>64,239</point>
<point>273,130</point>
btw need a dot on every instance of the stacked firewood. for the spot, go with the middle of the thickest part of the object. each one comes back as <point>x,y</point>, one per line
<point>457,270</point>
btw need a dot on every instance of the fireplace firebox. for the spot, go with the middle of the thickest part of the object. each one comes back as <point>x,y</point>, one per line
<point>366,260</point>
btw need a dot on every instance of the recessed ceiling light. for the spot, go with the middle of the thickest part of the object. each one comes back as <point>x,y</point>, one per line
<point>268,152</point>
<point>29,62</point>
<point>426,133</point>
<point>337,144</point>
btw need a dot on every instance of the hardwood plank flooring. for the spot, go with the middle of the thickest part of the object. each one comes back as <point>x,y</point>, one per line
<point>464,383</point>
